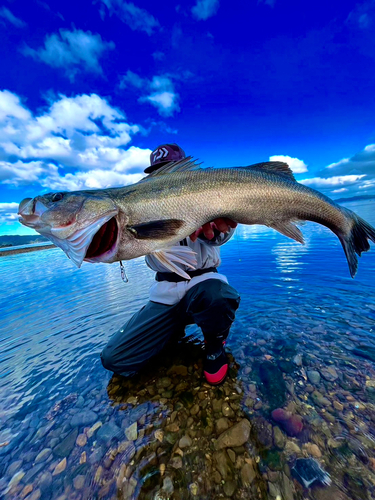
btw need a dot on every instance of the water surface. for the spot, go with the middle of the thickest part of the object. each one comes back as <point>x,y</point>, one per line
<point>69,429</point>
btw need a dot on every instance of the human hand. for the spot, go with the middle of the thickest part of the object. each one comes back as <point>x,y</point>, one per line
<point>222,224</point>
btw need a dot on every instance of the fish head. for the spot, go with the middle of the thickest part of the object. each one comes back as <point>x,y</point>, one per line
<point>83,224</point>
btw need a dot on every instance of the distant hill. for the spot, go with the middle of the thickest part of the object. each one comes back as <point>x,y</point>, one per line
<point>356,198</point>
<point>14,240</point>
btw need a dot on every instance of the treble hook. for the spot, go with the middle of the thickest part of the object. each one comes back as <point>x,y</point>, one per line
<point>124,278</point>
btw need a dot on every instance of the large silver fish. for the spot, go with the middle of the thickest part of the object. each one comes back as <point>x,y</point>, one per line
<point>109,225</point>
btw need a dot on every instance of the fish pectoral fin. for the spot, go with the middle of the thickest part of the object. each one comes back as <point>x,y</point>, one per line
<point>185,256</point>
<point>156,229</point>
<point>288,229</point>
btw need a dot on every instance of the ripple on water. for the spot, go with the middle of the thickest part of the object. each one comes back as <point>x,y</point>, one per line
<point>300,311</point>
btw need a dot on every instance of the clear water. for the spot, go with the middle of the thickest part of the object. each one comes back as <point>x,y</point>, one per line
<point>296,299</point>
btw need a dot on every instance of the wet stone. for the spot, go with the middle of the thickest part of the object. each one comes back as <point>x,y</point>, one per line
<point>227,410</point>
<point>168,485</point>
<point>176,463</point>
<point>109,431</point>
<point>231,455</point>
<point>274,387</point>
<point>319,399</point>
<point>79,482</point>
<point>286,366</point>
<point>273,490</point>
<point>45,481</point>
<point>164,382</point>
<point>14,467</point>
<point>222,425</point>
<point>223,464</point>
<point>329,374</point>
<point>287,488</point>
<point>178,370</point>
<point>297,360</point>
<point>185,442</point>
<point>33,472</point>
<point>273,460</point>
<point>43,455</point>
<point>35,495</point>
<point>194,410</point>
<point>96,455</point>
<point>132,432</point>
<point>292,448</point>
<point>16,479</point>
<point>86,417</point>
<point>366,352</point>
<point>81,440</point>
<point>338,406</point>
<point>64,448</point>
<point>278,438</point>
<point>171,437</point>
<point>60,467</point>
<point>313,450</point>
<point>229,488</point>
<point>262,432</point>
<point>313,376</point>
<point>27,489</point>
<point>93,429</point>
<point>235,436</point>
<point>216,405</point>
<point>248,474</point>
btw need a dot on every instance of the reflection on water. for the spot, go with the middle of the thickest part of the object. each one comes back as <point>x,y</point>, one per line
<point>303,340</point>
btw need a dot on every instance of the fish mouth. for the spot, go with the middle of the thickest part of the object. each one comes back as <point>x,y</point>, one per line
<point>104,242</point>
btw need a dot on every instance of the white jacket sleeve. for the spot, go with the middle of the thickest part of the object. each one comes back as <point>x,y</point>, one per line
<point>207,253</point>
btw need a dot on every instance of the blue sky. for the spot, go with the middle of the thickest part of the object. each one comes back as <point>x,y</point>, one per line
<point>89,88</point>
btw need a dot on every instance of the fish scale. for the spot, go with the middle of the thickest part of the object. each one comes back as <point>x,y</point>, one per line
<point>150,217</point>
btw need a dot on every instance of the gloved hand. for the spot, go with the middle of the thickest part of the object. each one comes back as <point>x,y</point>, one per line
<point>222,224</point>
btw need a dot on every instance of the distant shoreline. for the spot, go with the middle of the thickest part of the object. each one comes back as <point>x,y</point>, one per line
<point>15,251</point>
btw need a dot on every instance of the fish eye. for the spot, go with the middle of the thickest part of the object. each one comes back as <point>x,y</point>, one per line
<point>57,197</point>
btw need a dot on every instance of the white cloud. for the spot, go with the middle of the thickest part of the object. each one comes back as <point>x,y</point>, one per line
<point>165,102</point>
<point>8,212</point>
<point>94,179</point>
<point>72,50</point>
<point>78,142</point>
<point>161,90</point>
<point>340,180</point>
<point>352,176</point>
<point>135,17</point>
<point>133,79</point>
<point>205,9</point>
<point>6,14</point>
<point>11,107</point>
<point>361,163</point>
<point>24,173</point>
<point>297,166</point>
<point>341,190</point>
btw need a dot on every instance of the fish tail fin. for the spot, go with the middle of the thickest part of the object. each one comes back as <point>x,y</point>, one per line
<point>356,240</point>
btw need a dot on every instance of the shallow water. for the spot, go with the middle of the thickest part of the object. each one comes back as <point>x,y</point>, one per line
<point>68,429</point>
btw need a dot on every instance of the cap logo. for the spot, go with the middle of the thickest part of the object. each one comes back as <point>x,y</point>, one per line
<point>160,153</point>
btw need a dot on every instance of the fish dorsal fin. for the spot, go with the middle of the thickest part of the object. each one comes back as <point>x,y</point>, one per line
<point>274,167</point>
<point>187,163</point>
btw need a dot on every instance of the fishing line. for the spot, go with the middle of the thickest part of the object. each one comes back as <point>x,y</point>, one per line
<point>124,277</point>
<point>238,244</point>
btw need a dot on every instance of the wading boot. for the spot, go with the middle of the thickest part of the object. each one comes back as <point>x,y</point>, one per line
<point>215,367</point>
